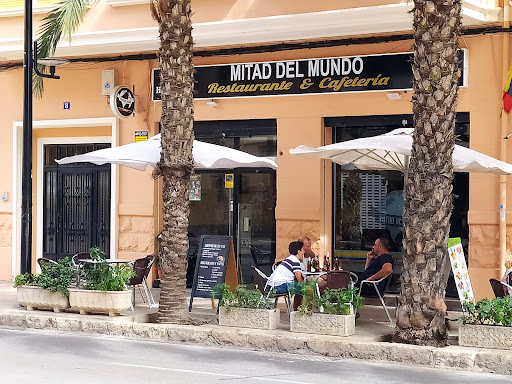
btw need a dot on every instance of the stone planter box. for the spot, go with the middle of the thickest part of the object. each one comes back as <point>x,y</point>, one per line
<point>485,336</point>
<point>37,297</point>
<point>322,324</point>
<point>249,318</point>
<point>99,301</point>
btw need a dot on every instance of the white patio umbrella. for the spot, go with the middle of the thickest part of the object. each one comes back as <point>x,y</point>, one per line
<point>391,151</point>
<point>140,155</point>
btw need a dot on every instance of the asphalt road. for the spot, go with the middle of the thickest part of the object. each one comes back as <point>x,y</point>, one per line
<point>38,356</point>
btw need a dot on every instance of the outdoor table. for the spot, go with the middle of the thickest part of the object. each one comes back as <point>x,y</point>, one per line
<point>108,261</point>
<point>308,275</point>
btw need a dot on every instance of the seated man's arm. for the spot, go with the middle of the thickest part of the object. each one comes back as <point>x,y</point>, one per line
<point>386,269</point>
<point>298,276</point>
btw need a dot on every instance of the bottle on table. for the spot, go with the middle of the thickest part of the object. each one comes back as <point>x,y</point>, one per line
<point>308,267</point>
<point>327,264</point>
<point>336,265</point>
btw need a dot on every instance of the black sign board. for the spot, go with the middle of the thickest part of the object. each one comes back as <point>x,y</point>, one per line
<point>212,264</point>
<point>311,76</point>
<point>122,101</point>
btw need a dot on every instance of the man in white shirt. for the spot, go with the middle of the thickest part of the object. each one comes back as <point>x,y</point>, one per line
<point>308,252</point>
<point>289,270</point>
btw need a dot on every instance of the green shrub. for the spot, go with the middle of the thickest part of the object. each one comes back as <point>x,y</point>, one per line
<point>333,301</point>
<point>97,254</point>
<point>103,276</point>
<point>497,311</point>
<point>56,277</point>
<point>24,279</point>
<point>338,301</point>
<point>241,298</point>
<point>106,277</point>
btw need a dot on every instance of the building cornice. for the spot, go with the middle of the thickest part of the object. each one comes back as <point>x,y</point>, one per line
<point>385,19</point>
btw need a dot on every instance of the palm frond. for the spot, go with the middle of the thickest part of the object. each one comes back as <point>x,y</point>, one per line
<point>64,19</point>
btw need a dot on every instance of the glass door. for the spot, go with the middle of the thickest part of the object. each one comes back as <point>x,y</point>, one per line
<point>246,212</point>
<point>256,224</point>
<point>209,213</point>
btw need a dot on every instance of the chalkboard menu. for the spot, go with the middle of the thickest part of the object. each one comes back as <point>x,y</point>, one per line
<point>213,257</point>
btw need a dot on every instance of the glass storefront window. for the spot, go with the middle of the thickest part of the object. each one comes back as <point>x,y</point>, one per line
<point>260,145</point>
<point>263,146</point>
<point>369,204</point>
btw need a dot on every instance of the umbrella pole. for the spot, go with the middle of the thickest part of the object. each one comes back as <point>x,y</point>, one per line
<point>231,234</point>
<point>406,168</point>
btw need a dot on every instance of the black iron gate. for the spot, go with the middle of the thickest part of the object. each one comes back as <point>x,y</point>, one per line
<point>76,203</point>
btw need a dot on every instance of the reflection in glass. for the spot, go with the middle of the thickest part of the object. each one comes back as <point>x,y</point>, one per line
<point>369,204</point>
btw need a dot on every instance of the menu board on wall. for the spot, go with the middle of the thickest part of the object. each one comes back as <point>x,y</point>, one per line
<point>215,265</point>
<point>460,270</point>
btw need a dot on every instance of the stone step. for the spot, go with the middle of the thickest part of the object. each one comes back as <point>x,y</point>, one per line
<point>391,300</point>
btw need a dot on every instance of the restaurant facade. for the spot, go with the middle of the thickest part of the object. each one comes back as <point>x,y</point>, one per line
<point>268,78</point>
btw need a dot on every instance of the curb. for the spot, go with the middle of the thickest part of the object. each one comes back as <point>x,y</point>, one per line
<point>482,360</point>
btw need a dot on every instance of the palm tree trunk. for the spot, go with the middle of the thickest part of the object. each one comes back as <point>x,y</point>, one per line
<point>176,162</point>
<point>427,193</point>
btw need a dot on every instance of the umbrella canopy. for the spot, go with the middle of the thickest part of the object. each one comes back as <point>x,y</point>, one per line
<point>391,151</point>
<point>147,152</point>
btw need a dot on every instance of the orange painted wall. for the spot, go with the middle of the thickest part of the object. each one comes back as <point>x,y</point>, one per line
<point>303,185</point>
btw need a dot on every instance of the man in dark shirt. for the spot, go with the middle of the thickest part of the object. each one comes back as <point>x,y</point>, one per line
<point>379,264</point>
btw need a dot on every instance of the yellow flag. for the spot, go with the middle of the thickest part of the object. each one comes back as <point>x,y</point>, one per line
<point>509,79</point>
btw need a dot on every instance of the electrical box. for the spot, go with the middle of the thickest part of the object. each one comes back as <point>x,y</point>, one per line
<point>107,81</point>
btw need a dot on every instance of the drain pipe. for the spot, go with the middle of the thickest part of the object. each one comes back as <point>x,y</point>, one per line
<point>503,149</point>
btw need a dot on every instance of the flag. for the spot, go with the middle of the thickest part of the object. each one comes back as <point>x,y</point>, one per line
<point>507,92</point>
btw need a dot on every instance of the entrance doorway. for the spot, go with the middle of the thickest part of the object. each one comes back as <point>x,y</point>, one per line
<point>76,203</point>
<point>246,212</point>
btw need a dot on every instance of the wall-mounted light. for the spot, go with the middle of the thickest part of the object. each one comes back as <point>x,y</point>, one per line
<point>212,103</point>
<point>393,96</point>
<point>51,62</point>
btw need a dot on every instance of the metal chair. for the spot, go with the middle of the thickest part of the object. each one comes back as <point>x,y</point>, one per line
<point>262,283</point>
<point>261,258</point>
<point>44,261</point>
<point>139,268</point>
<point>341,279</point>
<point>149,295</point>
<point>77,257</point>
<point>375,284</point>
<point>499,288</point>
<point>80,256</point>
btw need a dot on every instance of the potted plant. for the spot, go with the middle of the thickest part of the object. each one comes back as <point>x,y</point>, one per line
<point>103,287</point>
<point>49,289</point>
<point>487,324</point>
<point>333,313</point>
<point>245,308</point>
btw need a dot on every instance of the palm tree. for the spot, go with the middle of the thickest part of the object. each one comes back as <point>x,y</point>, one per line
<point>176,162</point>
<point>428,187</point>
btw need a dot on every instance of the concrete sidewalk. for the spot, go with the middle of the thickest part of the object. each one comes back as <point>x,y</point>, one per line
<point>370,342</point>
